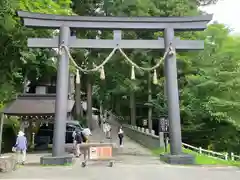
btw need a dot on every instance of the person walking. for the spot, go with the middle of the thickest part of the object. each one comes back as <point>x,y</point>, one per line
<point>78,140</point>
<point>99,122</point>
<point>74,141</point>
<point>21,148</point>
<point>120,136</point>
<point>109,129</point>
<point>105,128</point>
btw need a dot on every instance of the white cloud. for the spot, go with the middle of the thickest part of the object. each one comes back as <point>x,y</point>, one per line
<point>226,12</point>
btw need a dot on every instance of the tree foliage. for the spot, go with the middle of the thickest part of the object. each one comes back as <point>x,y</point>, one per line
<point>16,59</point>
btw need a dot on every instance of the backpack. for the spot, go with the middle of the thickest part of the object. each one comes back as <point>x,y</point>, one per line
<point>78,138</point>
<point>84,138</point>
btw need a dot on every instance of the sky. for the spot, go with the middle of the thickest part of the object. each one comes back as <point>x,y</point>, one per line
<point>226,12</point>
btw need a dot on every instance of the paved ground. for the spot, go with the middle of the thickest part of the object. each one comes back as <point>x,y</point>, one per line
<point>134,162</point>
<point>130,153</point>
<point>123,171</point>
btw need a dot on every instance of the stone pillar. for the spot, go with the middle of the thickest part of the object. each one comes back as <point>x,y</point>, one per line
<point>172,95</point>
<point>62,96</point>
<point>161,139</point>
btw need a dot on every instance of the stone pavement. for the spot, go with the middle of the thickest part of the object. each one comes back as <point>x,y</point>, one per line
<point>132,152</point>
<point>133,162</point>
<point>122,171</point>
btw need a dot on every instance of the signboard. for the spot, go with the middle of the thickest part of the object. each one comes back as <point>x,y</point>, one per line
<point>163,125</point>
<point>100,152</point>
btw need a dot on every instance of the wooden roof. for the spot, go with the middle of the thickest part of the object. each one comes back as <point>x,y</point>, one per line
<point>34,104</point>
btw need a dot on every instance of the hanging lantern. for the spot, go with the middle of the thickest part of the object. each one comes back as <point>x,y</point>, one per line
<point>77,77</point>
<point>33,124</point>
<point>133,73</point>
<point>155,81</point>
<point>102,73</point>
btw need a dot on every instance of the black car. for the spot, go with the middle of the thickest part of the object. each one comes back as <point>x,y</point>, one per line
<point>45,132</point>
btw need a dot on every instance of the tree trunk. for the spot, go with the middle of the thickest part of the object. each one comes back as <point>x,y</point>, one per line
<point>79,110</point>
<point>101,111</point>
<point>25,85</point>
<point>132,108</point>
<point>89,102</point>
<point>118,105</point>
<point>149,101</point>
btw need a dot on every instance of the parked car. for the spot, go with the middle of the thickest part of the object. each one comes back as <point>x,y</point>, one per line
<point>46,132</point>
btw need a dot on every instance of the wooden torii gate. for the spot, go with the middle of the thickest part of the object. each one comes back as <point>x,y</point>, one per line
<point>167,24</point>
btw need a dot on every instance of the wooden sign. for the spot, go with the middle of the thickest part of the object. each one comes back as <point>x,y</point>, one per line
<point>163,125</point>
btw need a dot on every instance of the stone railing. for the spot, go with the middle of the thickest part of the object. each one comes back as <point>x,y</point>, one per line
<point>143,136</point>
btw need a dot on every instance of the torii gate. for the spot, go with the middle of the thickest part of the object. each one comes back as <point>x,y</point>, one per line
<point>167,24</point>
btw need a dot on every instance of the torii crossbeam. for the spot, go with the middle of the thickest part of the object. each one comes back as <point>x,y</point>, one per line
<point>168,24</point>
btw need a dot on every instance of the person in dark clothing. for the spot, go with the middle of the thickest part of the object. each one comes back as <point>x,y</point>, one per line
<point>99,121</point>
<point>120,136</point>
<point>79,140</point>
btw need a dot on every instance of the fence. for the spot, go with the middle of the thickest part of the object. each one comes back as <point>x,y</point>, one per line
<point>224,156</point>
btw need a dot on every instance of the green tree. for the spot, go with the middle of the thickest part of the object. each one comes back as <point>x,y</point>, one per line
<point>210,98</point>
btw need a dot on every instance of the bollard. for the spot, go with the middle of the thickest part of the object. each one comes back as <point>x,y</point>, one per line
<point>232,156</point>
<point>152,132</point>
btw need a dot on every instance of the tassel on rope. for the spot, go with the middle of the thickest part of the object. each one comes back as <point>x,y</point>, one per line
<point>133,73</point>
<point>171,51</point>
<point>77,77</point>
<point>60,50</point>
<point>102,73</point>
<point>155,81</point>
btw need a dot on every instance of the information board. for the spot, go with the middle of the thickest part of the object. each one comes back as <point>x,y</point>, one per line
<point>163,125</point>
<point>104,152</point>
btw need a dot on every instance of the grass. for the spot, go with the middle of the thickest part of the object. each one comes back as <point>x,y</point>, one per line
<point>201,159</point>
